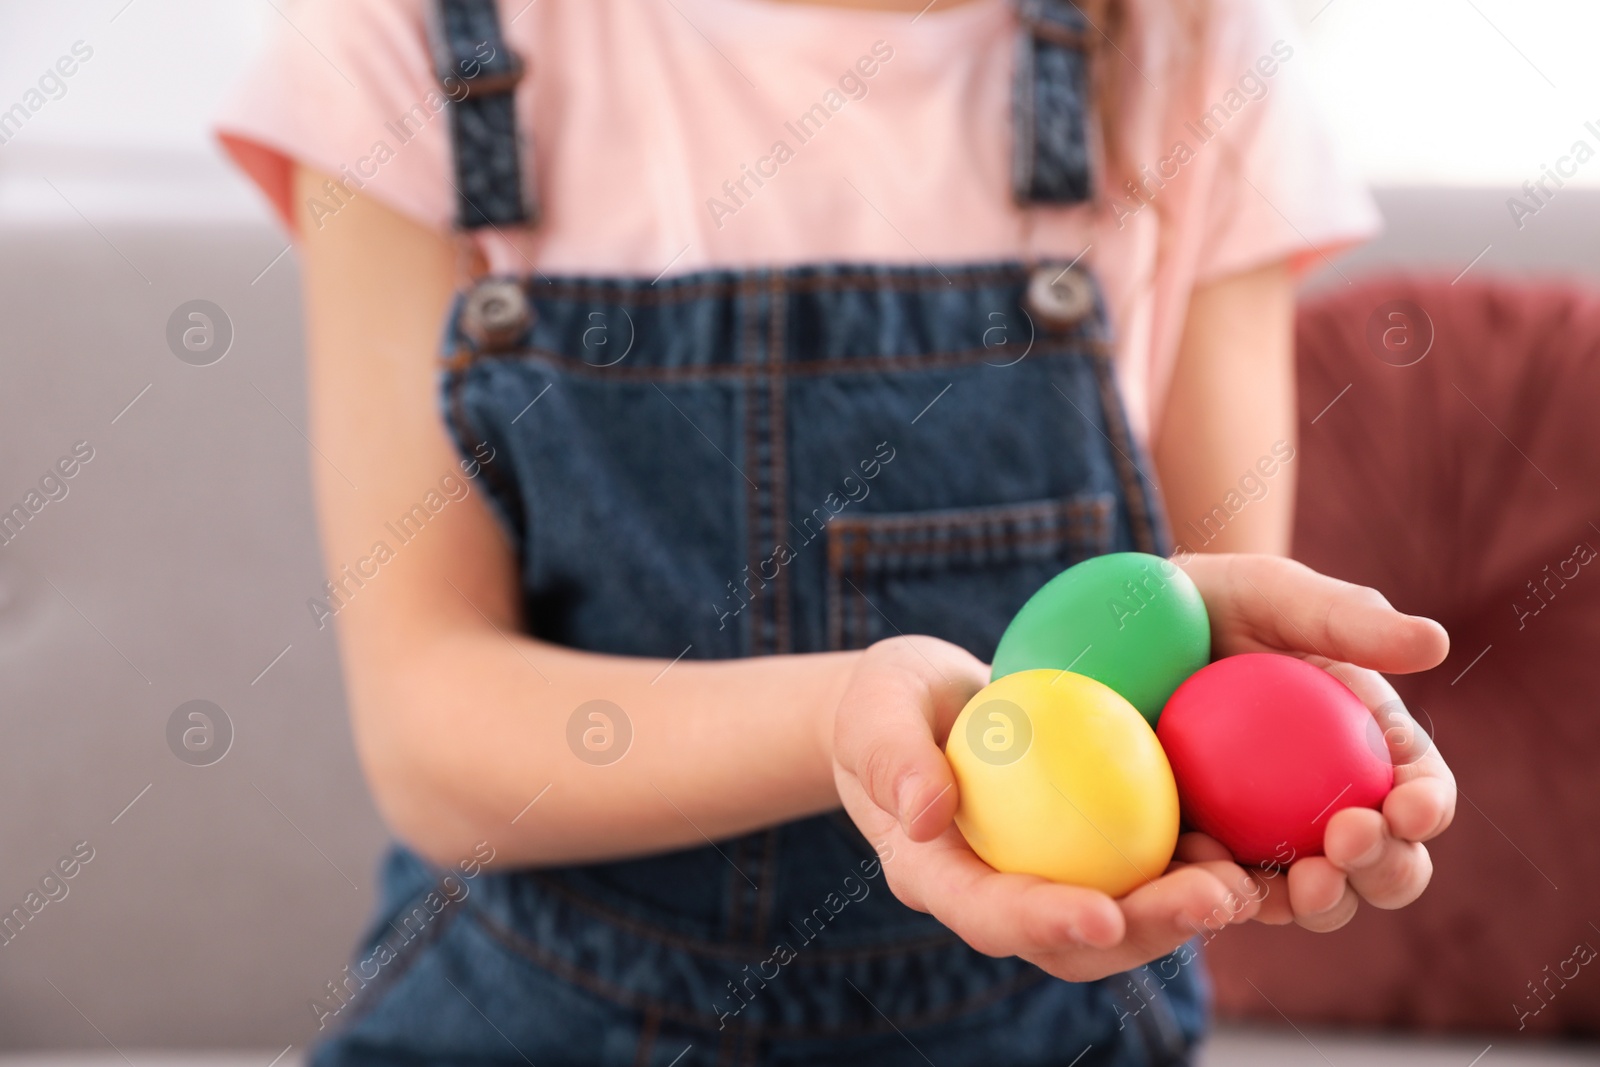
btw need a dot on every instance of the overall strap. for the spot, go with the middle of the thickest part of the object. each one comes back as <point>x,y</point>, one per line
<point>479,74</point>
<point>1051,105</point>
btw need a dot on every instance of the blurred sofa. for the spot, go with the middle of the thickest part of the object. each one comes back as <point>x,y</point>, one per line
<point>221,898</point>
<point>1448,456</point>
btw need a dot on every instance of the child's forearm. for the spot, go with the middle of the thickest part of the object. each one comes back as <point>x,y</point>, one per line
<point>472,740</point>
<point>461,723</point>
<point>1225,448</point>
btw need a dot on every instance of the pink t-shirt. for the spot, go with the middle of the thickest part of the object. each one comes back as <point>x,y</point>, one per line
<point>641,117</point>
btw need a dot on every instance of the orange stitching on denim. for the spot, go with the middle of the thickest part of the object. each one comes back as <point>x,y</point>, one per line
<point>767,897</point>
<point>1133,486</point>
<point>778,444</point>
<point>997,543</point>
<point>732,287</point>
<point>647,1037</point>
<point>866,524</point>
<point>1069,517</point>
<point>735,893</point>
<point>502,482</point>
<point>1056,34</point>
<point>937,535</point>
<point>752,495</point>
<point>835,608</point>
<point>864,625</point>
<point>1084,347</point>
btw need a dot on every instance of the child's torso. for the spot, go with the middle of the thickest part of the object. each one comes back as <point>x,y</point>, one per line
<point>753,462</point>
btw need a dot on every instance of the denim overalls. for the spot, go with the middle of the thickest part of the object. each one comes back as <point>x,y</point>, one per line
<point>753,463</point>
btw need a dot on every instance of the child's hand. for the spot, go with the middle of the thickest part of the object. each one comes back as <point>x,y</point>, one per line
<point>896,785</point>
<point>1266,604</point>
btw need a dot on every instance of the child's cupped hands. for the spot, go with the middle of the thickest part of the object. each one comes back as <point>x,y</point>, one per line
<point>896,785</point>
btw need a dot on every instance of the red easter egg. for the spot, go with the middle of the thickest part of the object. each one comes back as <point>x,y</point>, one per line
<point>1265,749</point>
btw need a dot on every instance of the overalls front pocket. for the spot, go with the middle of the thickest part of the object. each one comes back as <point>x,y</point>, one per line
<point>892,570</point>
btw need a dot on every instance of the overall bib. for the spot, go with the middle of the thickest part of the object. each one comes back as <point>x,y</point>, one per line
<point>746,463</point>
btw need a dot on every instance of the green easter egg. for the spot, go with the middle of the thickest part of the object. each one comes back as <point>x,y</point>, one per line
<point>1132,621</point>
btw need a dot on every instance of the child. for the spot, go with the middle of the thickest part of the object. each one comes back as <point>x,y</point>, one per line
<point>797,342</point>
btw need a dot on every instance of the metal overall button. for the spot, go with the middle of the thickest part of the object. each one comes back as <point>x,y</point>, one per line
<point>496,315</point>
<point>1061,298</point>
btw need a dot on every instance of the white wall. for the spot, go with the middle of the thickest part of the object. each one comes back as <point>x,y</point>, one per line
<point>1458,92</point>
<point>129,138</point>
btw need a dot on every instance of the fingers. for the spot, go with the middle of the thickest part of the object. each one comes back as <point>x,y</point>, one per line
<point>884,737</point>
<point>1364,860</point>
<point>1400,733</point>
<point>1195,847</point>
<point>1189,901</point>
<point>1006,914</point>
<point>1276,908</point>
<point>1283,605</point>
<point>1384,870</point>
<point>1160,916</point>
<point>1421,809</point>
<point>926,807</point>
<point>1320,895</point>
<point>1271,890</point>
<point>1394,728</point>
<point>1076,933</point>
<point>1423,802</point>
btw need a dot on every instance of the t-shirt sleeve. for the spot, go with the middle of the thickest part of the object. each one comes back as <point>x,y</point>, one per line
<point>345,87</point>
<point>1280,188</point>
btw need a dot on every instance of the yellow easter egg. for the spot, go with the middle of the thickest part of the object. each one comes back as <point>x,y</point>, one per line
<point>1063,778</point>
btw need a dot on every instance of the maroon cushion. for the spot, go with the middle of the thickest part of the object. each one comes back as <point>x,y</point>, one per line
<point>1451,484</point>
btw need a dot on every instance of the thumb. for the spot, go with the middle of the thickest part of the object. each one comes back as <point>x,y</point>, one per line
<point>884,737</point>
<point>1288,606</point>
